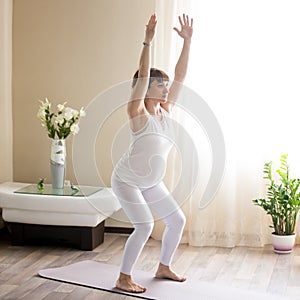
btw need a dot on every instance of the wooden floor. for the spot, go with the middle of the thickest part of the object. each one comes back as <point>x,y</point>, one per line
<point>257,269</point>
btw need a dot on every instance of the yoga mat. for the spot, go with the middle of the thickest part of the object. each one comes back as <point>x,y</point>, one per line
<point>103,276</point>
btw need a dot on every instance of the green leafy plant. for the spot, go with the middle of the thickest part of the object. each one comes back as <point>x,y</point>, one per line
<point>283,198</point>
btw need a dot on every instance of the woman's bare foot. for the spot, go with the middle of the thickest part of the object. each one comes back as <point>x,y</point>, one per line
<point>164,272</point>
<point>125,283</point>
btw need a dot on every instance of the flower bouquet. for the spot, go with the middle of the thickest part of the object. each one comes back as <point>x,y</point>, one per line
<point>62,123</point>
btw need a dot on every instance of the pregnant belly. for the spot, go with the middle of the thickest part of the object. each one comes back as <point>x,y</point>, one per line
<point>141,173</point>
<point>148,171</point>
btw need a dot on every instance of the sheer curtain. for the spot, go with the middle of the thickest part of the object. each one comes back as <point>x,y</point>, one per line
<point>244,63</point>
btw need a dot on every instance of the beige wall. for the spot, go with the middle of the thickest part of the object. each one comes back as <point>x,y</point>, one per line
<point>5,90</point>
<point>68,50</point>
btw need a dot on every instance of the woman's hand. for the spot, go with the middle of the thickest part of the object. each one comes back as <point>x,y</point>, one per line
<point>186,31</point>
<point>150,29</point>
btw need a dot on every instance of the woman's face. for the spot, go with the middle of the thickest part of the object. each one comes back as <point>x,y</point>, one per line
<point>158,90</point>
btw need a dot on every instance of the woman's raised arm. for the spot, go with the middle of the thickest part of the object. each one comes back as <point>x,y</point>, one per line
<point>136,103</point>
<point>185,33</point>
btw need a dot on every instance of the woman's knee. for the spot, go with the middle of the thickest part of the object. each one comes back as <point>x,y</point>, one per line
<point>181,219</point>
<point>177,220</point>
<point>144,229</point>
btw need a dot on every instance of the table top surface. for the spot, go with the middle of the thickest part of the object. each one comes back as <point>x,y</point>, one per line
<point>82,191</point>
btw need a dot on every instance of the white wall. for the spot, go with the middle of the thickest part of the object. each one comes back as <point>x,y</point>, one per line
<point>69,50</point>
<point>5,90</point>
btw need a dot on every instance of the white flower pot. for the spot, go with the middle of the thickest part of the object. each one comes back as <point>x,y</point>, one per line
<point>283,243</point>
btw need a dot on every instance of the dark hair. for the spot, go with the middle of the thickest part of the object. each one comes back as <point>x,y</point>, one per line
<point>155,74</point>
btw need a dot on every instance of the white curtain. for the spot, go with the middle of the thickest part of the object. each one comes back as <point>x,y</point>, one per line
<point>245,64</point>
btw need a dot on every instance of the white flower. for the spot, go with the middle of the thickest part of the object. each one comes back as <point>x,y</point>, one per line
<point>59,119</point>
<point>45,105</point>
<point>68,113</point>
<point>74,128</point>
<point>82,112</point>
<point>61,107</point>
<point>41,114</point>
<point>75,113</point>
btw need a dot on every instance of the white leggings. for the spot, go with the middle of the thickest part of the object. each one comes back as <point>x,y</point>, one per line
<point>137,204</point>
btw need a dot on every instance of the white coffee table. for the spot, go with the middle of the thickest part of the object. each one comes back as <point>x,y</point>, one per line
<point>77,218</point>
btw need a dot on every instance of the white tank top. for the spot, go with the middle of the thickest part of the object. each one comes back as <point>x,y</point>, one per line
<point>144,164</point>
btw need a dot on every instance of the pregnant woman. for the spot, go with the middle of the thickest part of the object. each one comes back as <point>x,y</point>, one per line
<point>137,177</point>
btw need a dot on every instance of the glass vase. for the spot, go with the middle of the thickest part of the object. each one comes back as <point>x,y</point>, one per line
<point>58,163</point>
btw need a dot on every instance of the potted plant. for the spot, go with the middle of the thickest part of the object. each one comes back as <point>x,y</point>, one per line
<point>282,204</point>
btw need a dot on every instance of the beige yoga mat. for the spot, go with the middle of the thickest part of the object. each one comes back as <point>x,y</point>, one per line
<point>103,276</point>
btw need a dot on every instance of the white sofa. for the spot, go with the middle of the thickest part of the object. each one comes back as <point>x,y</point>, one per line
<point>79,220</point>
